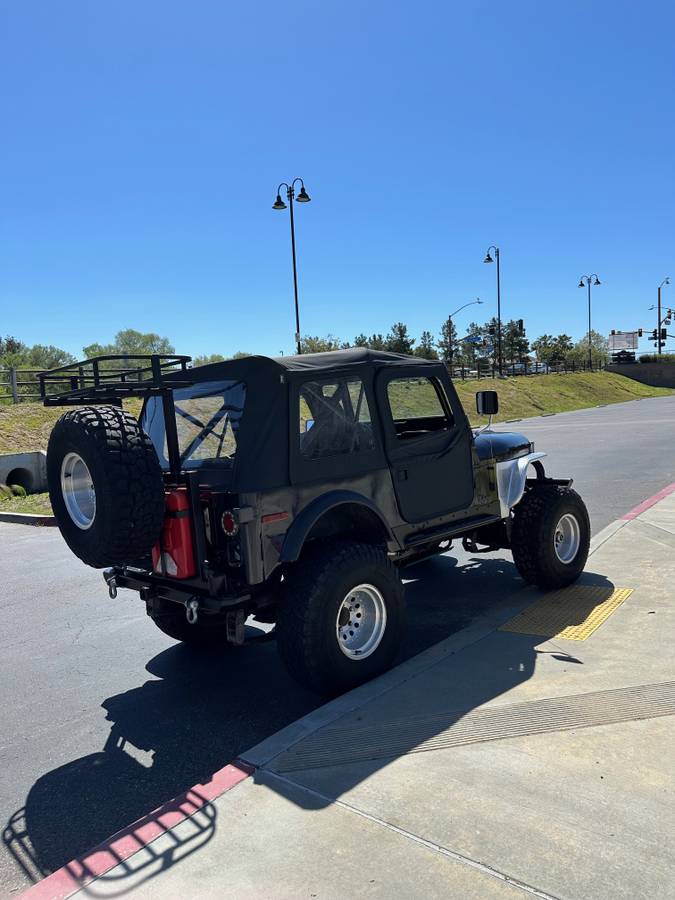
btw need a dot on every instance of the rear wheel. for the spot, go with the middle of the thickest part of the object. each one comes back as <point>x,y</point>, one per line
<point>105,485</point>
<point>550,536</point>
<point>341,617</point>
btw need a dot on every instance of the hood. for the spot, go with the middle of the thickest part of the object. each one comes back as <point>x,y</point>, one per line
<point>501,445</point>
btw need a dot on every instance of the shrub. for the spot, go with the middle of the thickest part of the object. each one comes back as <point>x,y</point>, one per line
<point>654,357</point>
<point>5,492</point>
<point>17,490</point>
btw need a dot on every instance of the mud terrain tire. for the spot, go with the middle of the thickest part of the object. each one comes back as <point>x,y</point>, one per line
<point>536,529</point>
<point>120,517</point>
<point>313,595</point>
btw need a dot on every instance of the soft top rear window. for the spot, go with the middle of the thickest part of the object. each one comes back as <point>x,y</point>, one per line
<point>207,422</point>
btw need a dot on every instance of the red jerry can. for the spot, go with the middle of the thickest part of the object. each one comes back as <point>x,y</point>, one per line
<point>174,553</point>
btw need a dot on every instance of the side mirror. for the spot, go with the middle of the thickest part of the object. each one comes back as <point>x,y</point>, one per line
<point>487,403</point>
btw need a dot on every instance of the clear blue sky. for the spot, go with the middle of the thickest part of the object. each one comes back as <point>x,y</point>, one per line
<point>143,142</point>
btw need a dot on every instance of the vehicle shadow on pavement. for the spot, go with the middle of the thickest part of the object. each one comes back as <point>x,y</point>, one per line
<point>440,708</point>
<point>203,708</point>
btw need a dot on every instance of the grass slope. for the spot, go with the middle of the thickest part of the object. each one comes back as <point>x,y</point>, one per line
<point>532,395</point>
<point>27,426</point>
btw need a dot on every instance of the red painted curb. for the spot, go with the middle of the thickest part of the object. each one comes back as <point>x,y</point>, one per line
<point>652,501</point>
<point>81,871</point>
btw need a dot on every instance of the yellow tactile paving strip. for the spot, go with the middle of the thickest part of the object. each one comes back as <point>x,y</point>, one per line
<point>572,613</point>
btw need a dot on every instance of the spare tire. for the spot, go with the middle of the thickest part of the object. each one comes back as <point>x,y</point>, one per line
<point>105,485</point>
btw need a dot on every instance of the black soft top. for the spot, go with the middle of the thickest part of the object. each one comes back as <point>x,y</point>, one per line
<point>354,357</point>
<point>262,459</point>
<point>332,361</point>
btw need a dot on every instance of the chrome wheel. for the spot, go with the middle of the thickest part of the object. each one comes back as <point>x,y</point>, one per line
<point>361,621</point>
<point>567,538</point>
<point>78,491</point>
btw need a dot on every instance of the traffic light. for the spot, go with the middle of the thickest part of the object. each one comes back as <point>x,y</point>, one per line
<point>654,336</point>
<point>664,334</point>
<point>521,326</point>
<point>492,329</point>
<point>639,332</point>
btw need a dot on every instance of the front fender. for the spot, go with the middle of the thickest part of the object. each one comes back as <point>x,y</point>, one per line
<point>511,477</point>
<point>303,524</point>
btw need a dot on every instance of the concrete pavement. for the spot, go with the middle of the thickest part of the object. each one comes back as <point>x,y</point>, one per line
<point>497,763</point>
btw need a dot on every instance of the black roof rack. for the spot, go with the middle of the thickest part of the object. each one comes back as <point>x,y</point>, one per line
<point>110,379</point>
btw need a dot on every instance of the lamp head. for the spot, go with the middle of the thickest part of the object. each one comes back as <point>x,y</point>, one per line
<point>278,203</point>
<point>581,282</point>
<point>597,281</point>
<point>488,258</point>
<point>303,196</point>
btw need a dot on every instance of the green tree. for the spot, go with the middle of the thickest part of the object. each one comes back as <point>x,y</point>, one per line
<point>314,344</point>
<point>599,350</point>
<point>377,342</point>
<point>206,358</point>
<point>129,341</point>
<point>398,340</point>
<point>515,345</point>
<point>10,346</point>
<point>41,356</point>
<point>16,354</point>
<point>448,345</point>
<point>361,340</point>
<point>552,349</point>
<point>426,348</point>
<point>469,350</point>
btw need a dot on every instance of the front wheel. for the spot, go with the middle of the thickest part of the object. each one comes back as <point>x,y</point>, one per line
<point>550,536</point>
<point>341,617</point>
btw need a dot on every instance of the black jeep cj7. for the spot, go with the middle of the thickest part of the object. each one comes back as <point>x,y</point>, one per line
<point>293,490</point>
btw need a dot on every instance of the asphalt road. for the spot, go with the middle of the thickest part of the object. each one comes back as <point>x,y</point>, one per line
<point>103,717</point>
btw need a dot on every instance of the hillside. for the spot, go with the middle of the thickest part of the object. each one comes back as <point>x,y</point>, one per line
<point>27,426</point>
<point>534,395</point>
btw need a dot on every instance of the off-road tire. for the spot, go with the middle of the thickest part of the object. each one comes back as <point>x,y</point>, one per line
<point>170,618</point>
<point>311,596</point>
<point>533,532</point>
<point>127,480</point>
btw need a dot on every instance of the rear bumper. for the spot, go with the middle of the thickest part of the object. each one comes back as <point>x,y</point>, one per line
<point>213,595</point>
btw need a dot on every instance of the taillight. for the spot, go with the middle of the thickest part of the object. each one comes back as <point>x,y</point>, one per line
<point>229,523</point>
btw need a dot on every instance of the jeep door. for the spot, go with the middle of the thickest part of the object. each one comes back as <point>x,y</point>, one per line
<point>427,441</point>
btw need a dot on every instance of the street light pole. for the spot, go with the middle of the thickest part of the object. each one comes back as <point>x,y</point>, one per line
<point>488,259</point>
<point>450,317</point>
<point>658,329</point>
<point>302,197</point>
<point>589,280</point>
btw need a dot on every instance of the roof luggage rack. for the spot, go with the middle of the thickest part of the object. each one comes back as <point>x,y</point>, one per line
<point>111,379</point>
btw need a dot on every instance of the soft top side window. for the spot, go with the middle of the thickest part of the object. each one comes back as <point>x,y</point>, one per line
<point>334,418</point>
<point>417,407</point>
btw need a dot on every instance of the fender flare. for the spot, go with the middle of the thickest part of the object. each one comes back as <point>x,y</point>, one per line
<point>303,524</point>
<point>511,478</point>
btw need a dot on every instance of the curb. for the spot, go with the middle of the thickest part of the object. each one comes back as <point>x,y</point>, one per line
<point>27,519</point>
<point>78,873</point>
<point>648,503</point>
<point>261,754</point>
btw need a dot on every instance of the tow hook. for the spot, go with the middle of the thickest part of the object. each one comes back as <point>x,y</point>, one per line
<point>111,581</point>
<point>192,611</point>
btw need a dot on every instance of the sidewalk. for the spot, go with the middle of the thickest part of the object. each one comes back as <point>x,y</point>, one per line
<point>498,763</point>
